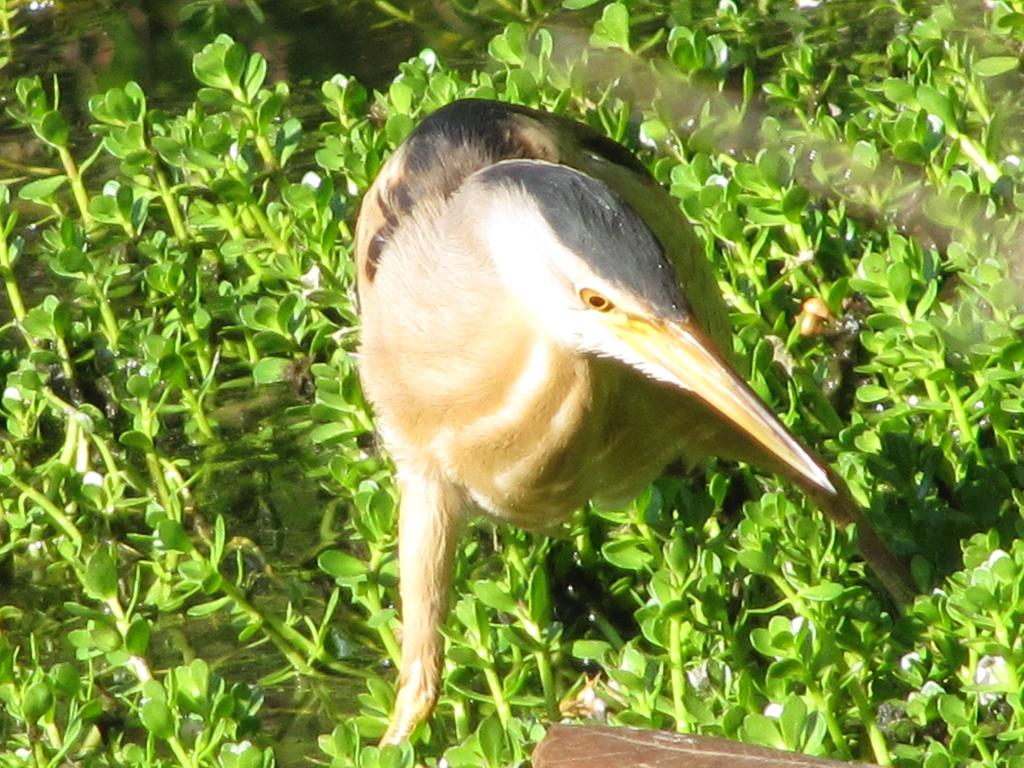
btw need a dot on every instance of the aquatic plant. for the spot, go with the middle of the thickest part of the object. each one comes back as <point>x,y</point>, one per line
<point>197,528</point>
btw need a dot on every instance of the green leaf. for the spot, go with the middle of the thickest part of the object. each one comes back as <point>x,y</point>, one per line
<point>71,262</point>
<point>755,561</point>
<point>590,649</point>
<point>38,323</point>
<point>936,103</point>
<point>794,203</point>
<point>792,721</point>
<point>540,596</point>
<point>953,711</point>
<point>104,638</point>
<point>871,393</point>
<point>822,593</point>
<point>899,279</point>
<point>626,554</point>
<point>492,739</point>
<point>36,701</point>
<point>401,96</point>
<point>493,596</point>
<point>270,370</point>
<point>759,729</point>
<point>192,685</point>
<point>898,91</point>
<point>612,29</point>
<point>208,64</point>
<point>342,565</point>
<point>865,153</point>
<point>240,755</point>
<point>382,618</point>
<point>255,75</point>
<point>53,129</point>
<point>234,64</point>
<point>995,65</point>
<point>101,574</point>
<point>113,107</point>
<point>174,371</point>
<point>206,609</point>
<point>136,440</point>
<point>325,433</point>
<point>136,639</point>
<point>510,46</point>
<point>396,756</point>
<point>654,130</point>
<point>910,151</point>
<point>42,190</point>
<point>397,127</point>
<point>104,209</point>
<point>230,190</point>
<point>156,718</point>
<point>171,535</point>
<point>761,640</point>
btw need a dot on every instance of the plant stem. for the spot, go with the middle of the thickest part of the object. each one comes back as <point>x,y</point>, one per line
<point>677,678</point>
<point>198,413</point>
<point>392,10</point>
<point>200,344</point>
<point>959,414</point>
<point>461,715</point>
<point>607,629</point>
<point>65,357</point>
<point>867,715</point>
<point>977,156</point>
<point>387,636</point>
<point>268,231</point>
<point>77,187</point>
<point>284,638</point>
<point>51,510</point>
<point>547,682</point>
<point>171,206</point>
<point>178,749</point>
<point>494,685</point>
<point>835,731</point>
<point>110,326</point>
<point>14,297</point>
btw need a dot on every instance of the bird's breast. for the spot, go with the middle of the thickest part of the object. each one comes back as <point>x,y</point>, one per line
<point>567,429</point>
<point>509,455</point>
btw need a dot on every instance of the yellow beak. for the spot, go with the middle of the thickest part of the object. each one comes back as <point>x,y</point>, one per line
<point>689,361</point>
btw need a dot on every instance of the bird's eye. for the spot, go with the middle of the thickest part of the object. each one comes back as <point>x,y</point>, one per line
<point>595,300</point>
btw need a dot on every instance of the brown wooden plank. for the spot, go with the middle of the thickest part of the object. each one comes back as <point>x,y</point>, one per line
<point>575,746</point>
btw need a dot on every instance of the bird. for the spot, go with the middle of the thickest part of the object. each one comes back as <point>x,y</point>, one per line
<point>540,329</point>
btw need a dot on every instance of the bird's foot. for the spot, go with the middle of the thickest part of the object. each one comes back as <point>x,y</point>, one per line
<point>414,703</point>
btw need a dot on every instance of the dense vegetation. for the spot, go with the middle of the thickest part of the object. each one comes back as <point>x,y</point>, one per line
<point>197,532</point>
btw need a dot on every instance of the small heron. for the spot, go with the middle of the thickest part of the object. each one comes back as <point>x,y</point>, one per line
<point>540,328</point>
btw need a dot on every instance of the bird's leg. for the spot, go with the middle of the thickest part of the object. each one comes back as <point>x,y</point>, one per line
<point>429,524</point>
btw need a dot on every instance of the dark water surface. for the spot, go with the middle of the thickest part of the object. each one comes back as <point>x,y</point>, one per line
<point>92,46</point>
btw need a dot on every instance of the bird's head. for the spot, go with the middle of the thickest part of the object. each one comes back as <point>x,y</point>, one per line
<point>594,277</point>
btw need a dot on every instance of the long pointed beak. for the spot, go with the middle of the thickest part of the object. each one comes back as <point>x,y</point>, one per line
<point>682,356</point>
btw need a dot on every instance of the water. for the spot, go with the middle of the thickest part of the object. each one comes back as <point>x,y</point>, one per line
<point>95,45</point>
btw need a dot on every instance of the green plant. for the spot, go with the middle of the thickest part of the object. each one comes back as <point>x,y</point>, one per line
<point>186,453</point>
